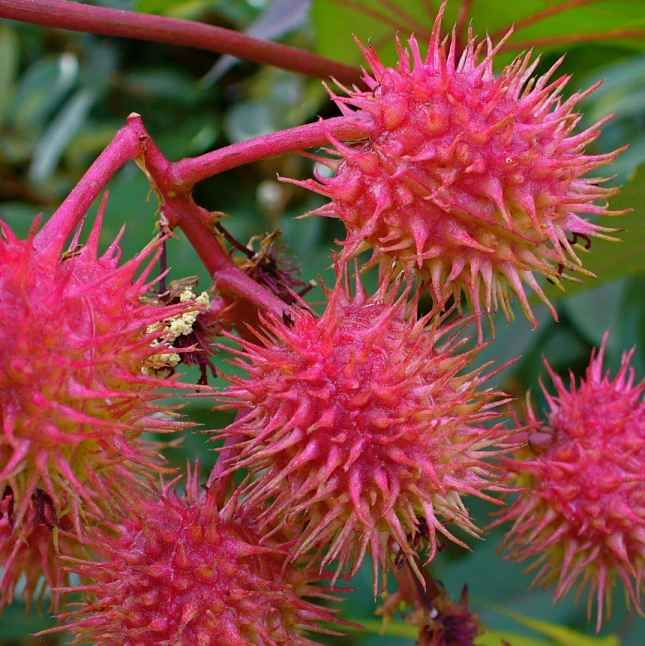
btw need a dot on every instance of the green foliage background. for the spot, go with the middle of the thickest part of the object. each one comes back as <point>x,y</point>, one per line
<point>63,95</point>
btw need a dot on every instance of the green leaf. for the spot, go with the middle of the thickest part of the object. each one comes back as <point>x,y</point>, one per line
<point>8,66</point>
<point>42,88</point>
<point>595,310</point>
<point>562,635</point>
<point>390,628</point>
<point>336,22</point>
<point>17,622</point>
<point>499,637</point>
<point>165,84</point>
<point>59,133</point>
<point>630,328</point>
<point>573,25</point>
<point>489,638</point>
<point>612,260</point>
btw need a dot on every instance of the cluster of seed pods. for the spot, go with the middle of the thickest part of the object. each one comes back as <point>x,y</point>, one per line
<point>362,431</point>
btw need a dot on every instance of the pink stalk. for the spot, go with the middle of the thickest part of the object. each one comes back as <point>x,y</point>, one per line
<point>122,149</point>
<point>187,172</point>
<point>180,210</point>
<point>173,182</point>
<point>74,16</point>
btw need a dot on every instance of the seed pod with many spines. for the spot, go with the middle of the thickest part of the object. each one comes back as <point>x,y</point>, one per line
<point>474,180</point>
<point>363,427</point>
<point>581,513</point>
<point>74,401</point>
<point>182,570</point>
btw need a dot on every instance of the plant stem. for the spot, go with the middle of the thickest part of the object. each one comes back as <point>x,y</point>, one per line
<point>187,172</point>
<point>174,181</point>
<point>74,16</point>
<point>181,210</point>
<point>122,149</point>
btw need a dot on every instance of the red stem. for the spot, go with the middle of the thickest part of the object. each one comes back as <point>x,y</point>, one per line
<point>180,210</point>
<point>74,16</point>
<point>132,142</point>
<point>122,149</point>
<point>174,181</point>
<point>187,172</point>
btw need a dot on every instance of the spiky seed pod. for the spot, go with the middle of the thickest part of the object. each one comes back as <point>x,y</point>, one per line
<point>74,402</point>
<point>362,428</point>
<point>182,571</point>
<point>474,180</point>
<point>582,510</point>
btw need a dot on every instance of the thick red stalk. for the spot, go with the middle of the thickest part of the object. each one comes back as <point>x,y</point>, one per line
<point>180,210</point>
<point>187,172</point>
<point>74,16</point>
<point>134,142</point>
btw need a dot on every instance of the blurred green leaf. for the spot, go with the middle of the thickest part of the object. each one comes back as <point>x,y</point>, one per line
<point>240,12</point>
<point>336,22</point>
<point>278,18</point>
<point>620,94</point>
<point>160,83</point>
<point>55,139</point>
<point>17,622</point>
<point>630,327</point>
<point>612,260</point>
<point>159,6</point>
<point>489,638</point>
<point>8,66</point>
<point>500,637</point>
<point>595,310</point>
<point>572,25</point>
<point>42,87</point>
<point>562,635</point>
<point>88,142</point>
<point>391,628</point>
<point>249,119</point>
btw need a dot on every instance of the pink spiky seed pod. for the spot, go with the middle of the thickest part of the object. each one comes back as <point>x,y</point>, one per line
<point>582,508</point>
<point>362,428</point>
<point>473,180</point>
<point>74,402</point>
<point>181,570</point>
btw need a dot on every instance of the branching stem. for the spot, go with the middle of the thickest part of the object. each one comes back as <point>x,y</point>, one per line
<point>174,181</point>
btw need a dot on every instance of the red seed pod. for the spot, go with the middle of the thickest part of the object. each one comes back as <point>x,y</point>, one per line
<point>471,179</point>
<point>180,570</point>
<point>363,428</point>
<point>74,399</point>
<point>582,510</point>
